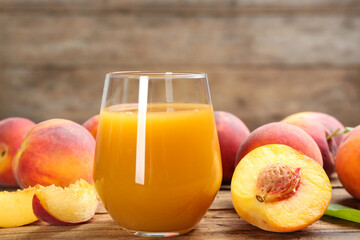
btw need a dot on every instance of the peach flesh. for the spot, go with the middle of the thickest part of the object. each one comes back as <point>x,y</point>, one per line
<point>45,215</point>
<point>65,206</point>
<point>302,208</point>
<point>16,207</point>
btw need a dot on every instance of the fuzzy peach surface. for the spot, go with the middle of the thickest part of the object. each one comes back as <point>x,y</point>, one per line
<point>348,163</point>
<point>12,133</point>
<point>281,133</point>
<point>56,152</point>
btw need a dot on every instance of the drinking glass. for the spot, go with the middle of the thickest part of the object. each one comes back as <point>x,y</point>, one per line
<point>157,164</point>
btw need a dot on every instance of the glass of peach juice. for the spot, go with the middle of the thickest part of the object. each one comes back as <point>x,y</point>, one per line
<point>157,165</point>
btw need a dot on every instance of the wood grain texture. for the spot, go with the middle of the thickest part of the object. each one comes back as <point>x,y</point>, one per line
<point>265,58</point>
<point>220,222</point>
<point>256,96</point>
<point>34,39</point>
<point>251,6</point>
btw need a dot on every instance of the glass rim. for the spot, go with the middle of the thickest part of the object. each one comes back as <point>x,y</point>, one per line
<point>155,75</point>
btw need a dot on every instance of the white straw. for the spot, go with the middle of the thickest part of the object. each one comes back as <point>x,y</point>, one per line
<point>141,128</point>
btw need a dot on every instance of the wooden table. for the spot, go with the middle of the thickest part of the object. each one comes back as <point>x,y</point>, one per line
<point>220,222</point>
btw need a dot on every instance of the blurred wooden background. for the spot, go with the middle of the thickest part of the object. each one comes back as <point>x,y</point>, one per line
<point>265,58</point>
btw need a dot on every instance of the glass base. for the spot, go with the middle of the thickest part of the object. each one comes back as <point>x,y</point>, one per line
<point>157,234</point>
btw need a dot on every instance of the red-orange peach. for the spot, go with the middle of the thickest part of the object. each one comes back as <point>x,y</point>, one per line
<point>231,132</point>
<point>92,125</point>
<point>330,122</point>
<point>348,162</point>
<point>281,133</point>
<point>55,151</point>
<point>12,133</point>
<point>319,133</point>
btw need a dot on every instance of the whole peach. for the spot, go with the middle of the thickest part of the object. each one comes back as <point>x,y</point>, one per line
<point>319,133</point>
<point>55,151</point>
<point>281,133</point>
<point>92,125</point>
<point>231,132</point>
<point>12,133</point>
<point>330,122</point>
<point>348,162</point>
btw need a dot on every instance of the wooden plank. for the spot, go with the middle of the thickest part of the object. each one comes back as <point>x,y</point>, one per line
<point>217,224</point>
<point>257,96</point>
<point>41,39</point>
<point>268,6</point>
<point>220,222</point>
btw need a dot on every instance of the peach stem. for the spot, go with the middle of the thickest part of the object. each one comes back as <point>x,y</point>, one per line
<point>336,133</point>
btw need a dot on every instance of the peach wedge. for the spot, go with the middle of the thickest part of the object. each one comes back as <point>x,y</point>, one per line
<point>66,206</point>
<point>278,189</point>
<point>16,207</point>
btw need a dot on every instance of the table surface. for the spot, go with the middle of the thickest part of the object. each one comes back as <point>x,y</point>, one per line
<point>220,222</point>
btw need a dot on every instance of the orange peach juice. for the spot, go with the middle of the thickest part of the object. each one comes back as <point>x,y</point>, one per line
<point>182,166</point>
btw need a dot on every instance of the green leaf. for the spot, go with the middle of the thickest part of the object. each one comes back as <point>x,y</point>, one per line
<point>343,212</point>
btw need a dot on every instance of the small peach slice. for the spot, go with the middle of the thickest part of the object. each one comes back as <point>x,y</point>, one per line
<point>16,207</point>
<point>278,189</point>
<point>66,206</point>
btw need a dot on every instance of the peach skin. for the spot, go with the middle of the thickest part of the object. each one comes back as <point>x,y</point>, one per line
<point>12,133</point>
<point>328,121</point>
<point>281,133</point>
<point>231,132</point>
<point>92,125</point>
<point>348,162</point>
<point>55,151</point>
<point>319,133</point>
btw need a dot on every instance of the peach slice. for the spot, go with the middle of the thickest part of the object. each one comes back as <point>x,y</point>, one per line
<point>65,206</point>
<point>278,189</point>
<point>16,207</point>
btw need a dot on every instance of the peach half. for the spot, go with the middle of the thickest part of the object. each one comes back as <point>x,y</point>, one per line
<point>16,207</point>
<point>278,189</point>
<point>65,206</point>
